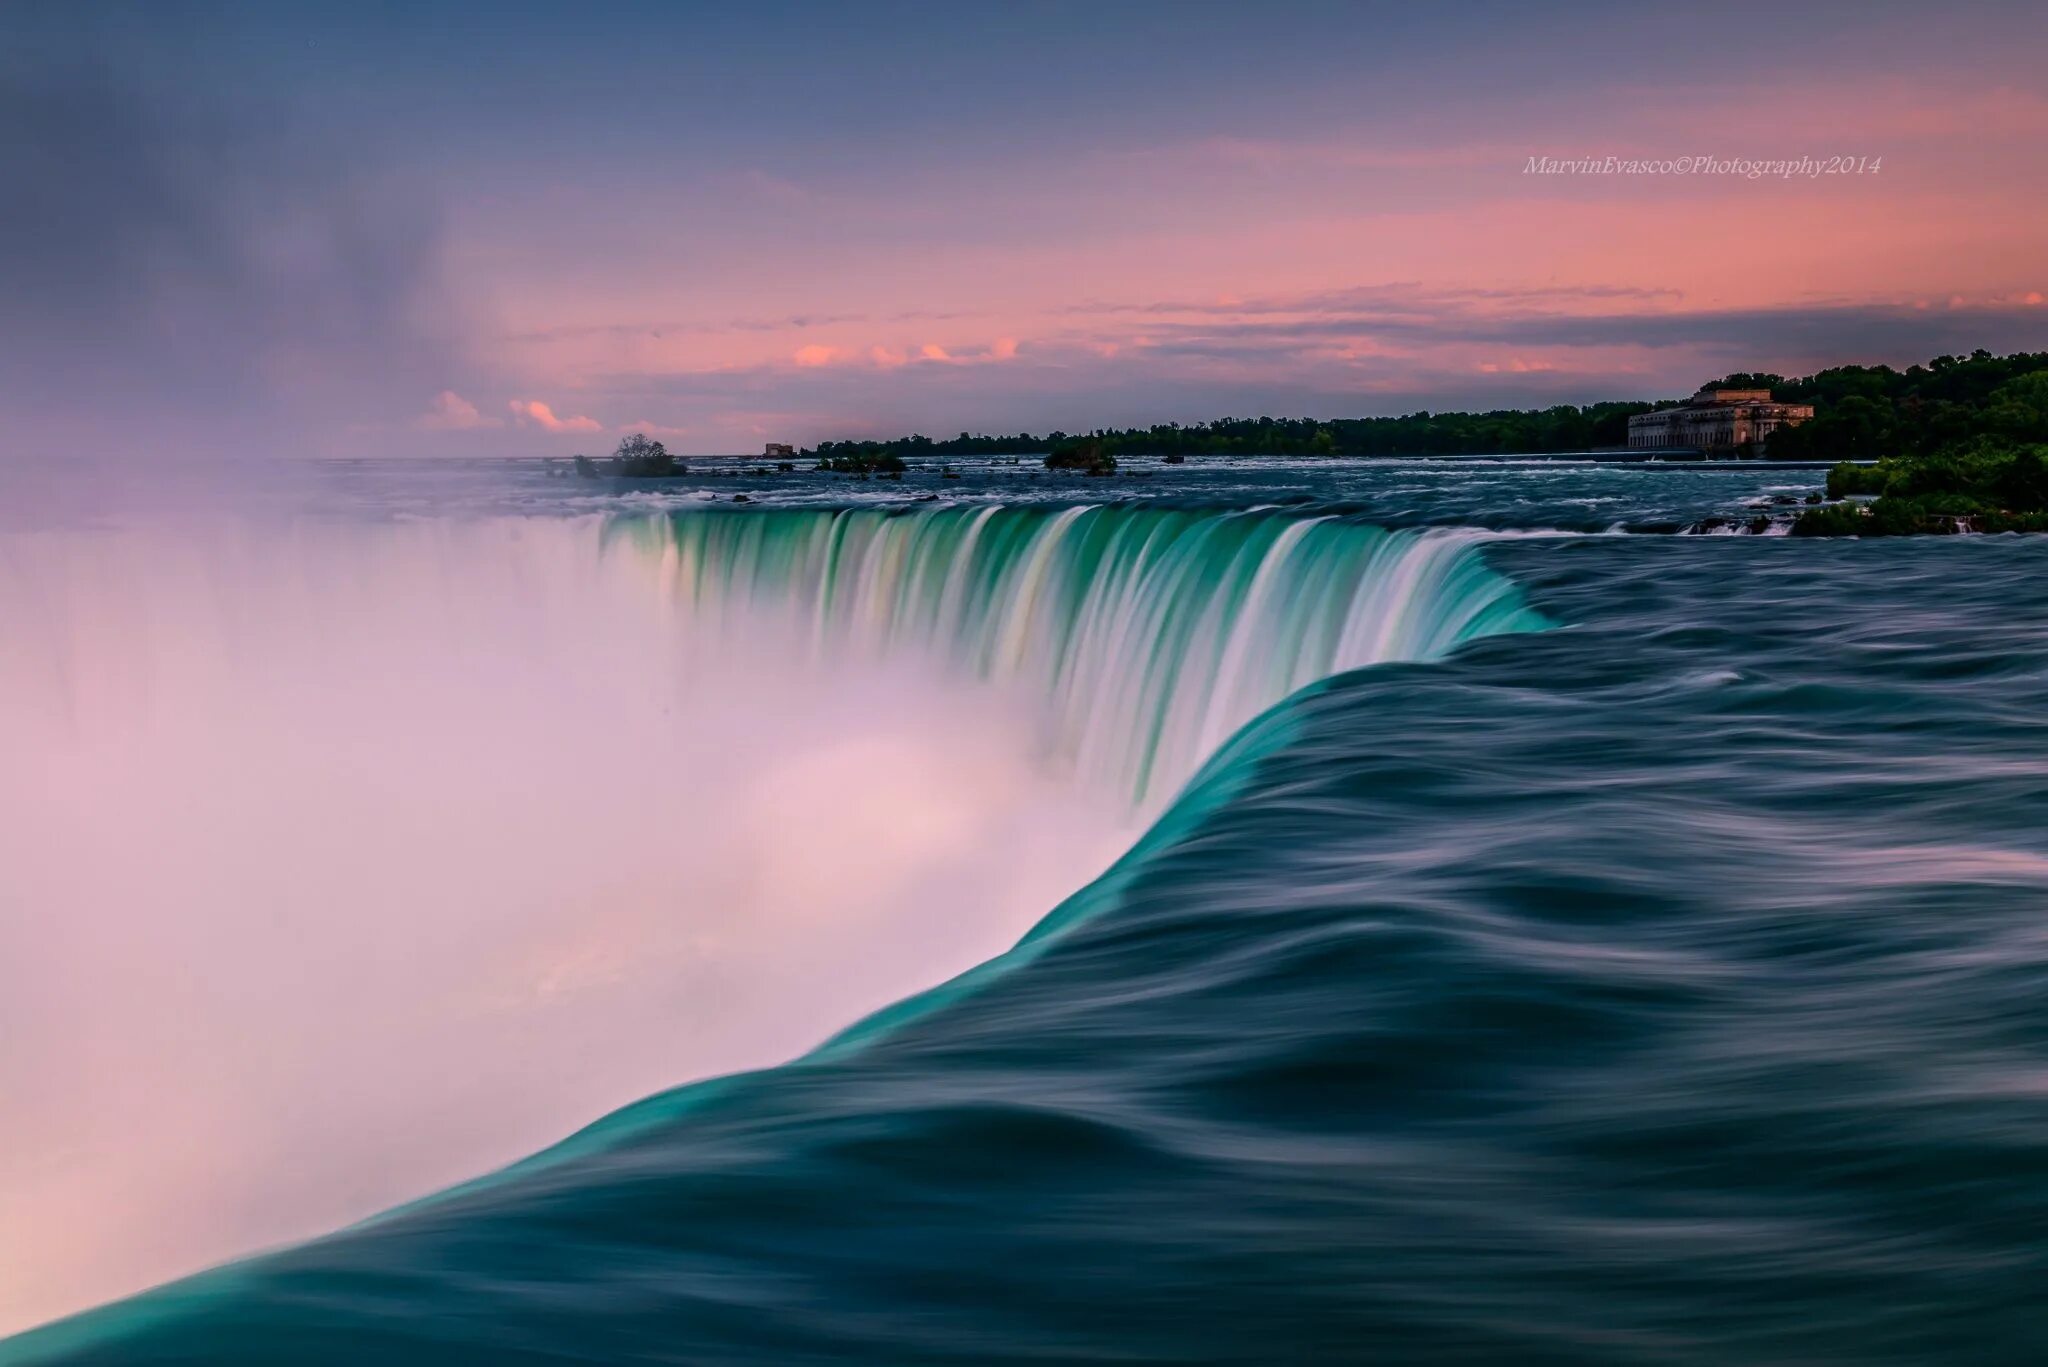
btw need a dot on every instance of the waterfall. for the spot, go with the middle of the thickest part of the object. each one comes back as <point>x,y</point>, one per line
<point>1151,635</point>
<point>342,859</point>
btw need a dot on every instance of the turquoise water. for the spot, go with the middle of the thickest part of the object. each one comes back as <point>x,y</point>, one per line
<point>1640,959</point>
<point>1151,633</point>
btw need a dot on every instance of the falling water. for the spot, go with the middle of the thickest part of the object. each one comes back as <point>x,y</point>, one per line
<point>1151,635</point>
<point>342,859</point>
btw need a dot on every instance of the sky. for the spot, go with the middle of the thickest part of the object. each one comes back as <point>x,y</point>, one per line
<point>523,229</point>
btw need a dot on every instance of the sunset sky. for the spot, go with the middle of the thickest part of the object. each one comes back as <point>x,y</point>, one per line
<point>523,229</point>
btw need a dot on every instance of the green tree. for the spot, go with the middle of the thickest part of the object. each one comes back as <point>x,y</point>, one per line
<point>640,457</point>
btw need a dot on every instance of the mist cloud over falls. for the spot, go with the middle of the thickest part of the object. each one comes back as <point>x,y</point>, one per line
<point>340,864</point>
<point>186,271</point>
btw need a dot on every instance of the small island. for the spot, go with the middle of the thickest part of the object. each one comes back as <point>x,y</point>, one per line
<point>637,457</point>
<point>861,462</point>
<point>1085,454</point>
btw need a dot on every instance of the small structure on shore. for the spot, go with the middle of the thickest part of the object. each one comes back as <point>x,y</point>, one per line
<point>1717,421</point>
<point>779,451</point>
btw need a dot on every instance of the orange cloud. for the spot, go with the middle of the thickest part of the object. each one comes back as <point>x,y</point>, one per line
<point>816,355</point>
<point>452,413</point>
<point>931,351</point>
<point>534,413</point>
<point>1004,349</point>
<point>887,358</point>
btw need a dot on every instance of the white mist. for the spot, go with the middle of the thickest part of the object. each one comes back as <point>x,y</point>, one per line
<point>342,862</point>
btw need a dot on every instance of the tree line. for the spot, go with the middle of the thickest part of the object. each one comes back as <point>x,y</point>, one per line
<point>1871,412</point>
<point>1564,427</point>
<point>1861,412</point>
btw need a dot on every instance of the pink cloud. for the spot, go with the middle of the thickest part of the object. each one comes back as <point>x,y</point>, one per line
<point>1482,281</point>
<point>534,413</point>
<point>452,413</point>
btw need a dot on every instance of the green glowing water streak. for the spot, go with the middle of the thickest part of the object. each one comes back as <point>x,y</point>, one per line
<point>1152,634</point>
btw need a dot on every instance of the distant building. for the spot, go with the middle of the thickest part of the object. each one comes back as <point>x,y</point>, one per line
<point>1717,421</point>
<point>777,449</point>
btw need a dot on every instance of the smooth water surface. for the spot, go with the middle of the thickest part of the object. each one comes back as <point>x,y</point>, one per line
<point>1666,983</point>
